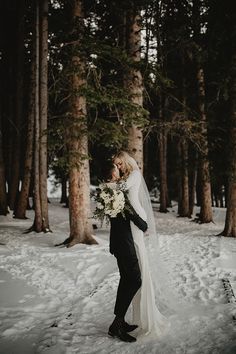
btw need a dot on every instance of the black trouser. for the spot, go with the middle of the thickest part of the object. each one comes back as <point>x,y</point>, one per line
<point>130,282</point>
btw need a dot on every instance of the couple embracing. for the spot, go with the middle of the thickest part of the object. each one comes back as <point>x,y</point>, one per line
<point>128,246</point>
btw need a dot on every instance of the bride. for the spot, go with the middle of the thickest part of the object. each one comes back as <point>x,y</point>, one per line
<point>144,309</point>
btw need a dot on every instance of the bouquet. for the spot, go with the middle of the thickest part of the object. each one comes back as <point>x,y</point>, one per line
<point>110,202</point>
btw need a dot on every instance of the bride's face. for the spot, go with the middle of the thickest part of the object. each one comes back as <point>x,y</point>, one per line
<point>119,163</point>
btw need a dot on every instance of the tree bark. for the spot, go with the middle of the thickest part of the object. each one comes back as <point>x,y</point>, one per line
<point>162,143</point>
<point>15,176</point>
<point>24,193</point>
<point>183,202</point>
<point>43,94</point>
<point>206,214</point>
<point>3,193</point>
<point>221,196</point>
<point>230,221</point>
<point>77,143</point>
<point>41,221</point>
<point>185,180</point>
<point>38,225</point>
<point>3,66</point>
<point>9,48</point>
<point>215,197</point>
<point>134,81</point>
<point>63,190</point>
<point>163,102</point>
<point>192,182</point>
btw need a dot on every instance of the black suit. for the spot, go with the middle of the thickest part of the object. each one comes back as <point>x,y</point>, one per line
<point>122,246</point>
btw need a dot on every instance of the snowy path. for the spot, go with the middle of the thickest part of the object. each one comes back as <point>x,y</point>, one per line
<point>57,300</point>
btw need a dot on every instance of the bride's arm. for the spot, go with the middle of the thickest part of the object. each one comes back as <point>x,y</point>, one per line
<point>137,220</point>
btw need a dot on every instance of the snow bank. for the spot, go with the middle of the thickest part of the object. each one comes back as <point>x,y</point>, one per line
<point>58,300</point>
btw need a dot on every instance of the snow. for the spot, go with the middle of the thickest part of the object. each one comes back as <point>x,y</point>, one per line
<point>60,301</point>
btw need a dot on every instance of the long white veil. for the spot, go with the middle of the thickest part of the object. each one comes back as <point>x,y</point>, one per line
<point>158,269</point>
<point>166,297</point>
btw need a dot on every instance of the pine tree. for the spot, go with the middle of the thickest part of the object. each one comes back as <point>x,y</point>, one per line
<point>206,214</point>
<point>77,139</point>
<point>18,117</point>
<point>230,221</point>
<point>22,203</point>
<point>41,220</point>
<point>3,193</point>
<point>133,80</point>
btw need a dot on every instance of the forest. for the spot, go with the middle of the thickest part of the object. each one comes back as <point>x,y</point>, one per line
<point>83,79</point>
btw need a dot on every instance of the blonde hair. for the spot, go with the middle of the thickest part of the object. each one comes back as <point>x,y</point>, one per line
<point>129,162</point>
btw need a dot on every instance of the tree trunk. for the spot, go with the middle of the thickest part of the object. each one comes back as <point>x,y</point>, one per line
<point>24,193</point>
<point>9,46</point>
<point>37,226</point>
<point>77,143</point>
<point>146,172</point>
<point>134,81</point>
<point>221,196</point>
<point>192,182</point>
<point>163,102</point>
<point>206,214</point>
<point>183,202</point>
<point>41,221</point>
<point>3,63</point>
<point>3,193</point>
<point>185,180</point>
<point>15,177</point>
<point>162,143</point>
<point>179,177</point>
<point>226,187</point>
<point>63,190</point>
<point>230,221</point>
<point>43,94</point>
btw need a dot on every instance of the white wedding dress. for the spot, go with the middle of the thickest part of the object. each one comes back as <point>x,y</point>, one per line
<point>144,309</point>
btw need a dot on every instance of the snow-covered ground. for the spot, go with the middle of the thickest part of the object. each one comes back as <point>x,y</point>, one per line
<point>60,301</point>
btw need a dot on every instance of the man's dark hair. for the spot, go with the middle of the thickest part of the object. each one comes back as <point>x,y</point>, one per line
<point>107,169</point>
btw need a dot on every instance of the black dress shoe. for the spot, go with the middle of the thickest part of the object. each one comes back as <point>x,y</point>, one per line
<point>129,328</point>
<point>118,331</point>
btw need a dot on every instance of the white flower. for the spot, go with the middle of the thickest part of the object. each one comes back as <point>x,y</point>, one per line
<point>111,185</point>
<point>103,195</point>
<point>99,205</point>
<point>102,186</point>
<point>120,196</point>
<point>119,202</point>
<point>122,186</point>
<point>110,202</point>
<point>117,206</point>
<point>106,197</point>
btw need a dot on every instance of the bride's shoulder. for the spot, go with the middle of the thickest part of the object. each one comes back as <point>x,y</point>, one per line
<point>134,174</point>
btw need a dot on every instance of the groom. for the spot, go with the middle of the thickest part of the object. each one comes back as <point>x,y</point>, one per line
<point>122,247</point>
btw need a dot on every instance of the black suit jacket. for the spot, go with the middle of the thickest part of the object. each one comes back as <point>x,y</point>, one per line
<point>121,239</point>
